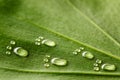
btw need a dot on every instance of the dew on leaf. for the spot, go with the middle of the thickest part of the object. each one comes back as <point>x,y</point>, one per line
<point>37,43</point>
<point>99,61</point>
<point>46,65</point>
<point>8,52</point>
<point>87,55</point>
<point>59,62</point>
<point>9,47</point>
<point>108,67</point>
<point>96,69</point>
<point>20,51</point>
<point>95,64</point>
<point>49,43</point>
<point>12,42</point>
<point>46,60</point>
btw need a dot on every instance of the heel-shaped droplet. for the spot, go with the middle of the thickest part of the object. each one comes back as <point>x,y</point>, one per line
<point>87,55</point>
<point>20,51</point>
<point>108,67</point>
<point>59,62</point>
<point>49,43</point>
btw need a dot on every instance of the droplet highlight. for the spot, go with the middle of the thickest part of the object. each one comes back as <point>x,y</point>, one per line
<point>99,61</point>
<point>49,43</point>
<point>108,67</point>
<point>46,65</point>
<point>9,47</point>
<point>12,42</point>
<point>96,69</point>
<point>8,52</point>
<point>20,51</point>
<point>59,62</point>
<point>87,55</point>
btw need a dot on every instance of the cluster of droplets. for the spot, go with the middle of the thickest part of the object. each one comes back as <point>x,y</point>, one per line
<point>55,61</point>
<point>98,65</point>
<point>17,50</point>
<point>84,53</point>
<point>9,48</point>
<point>40,40</point>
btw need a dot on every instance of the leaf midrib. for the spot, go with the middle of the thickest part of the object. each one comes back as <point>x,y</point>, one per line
<point>95,24</point>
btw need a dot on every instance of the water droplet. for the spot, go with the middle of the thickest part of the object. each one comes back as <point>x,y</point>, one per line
<point>108,67</point>
<point>87,55</point>
<point>48,56</point>
<point>46,60</point>
<point>38,39</point>
<point>9,47</point>
<point>59,62</point>
<point>12,42</point>
<point>99,61</point>
<point>46,65</point>
<point>49,43</point>
<point>95,64</point>
<point>8,52</point>
<point>81,48</point>
<point>96,69</point>
<point>21,52</point>
<point>37,43</point>
<point>78,50</point>
<point>75,53</point>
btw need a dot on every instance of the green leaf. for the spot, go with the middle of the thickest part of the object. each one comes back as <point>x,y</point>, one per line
<point>93,25</point>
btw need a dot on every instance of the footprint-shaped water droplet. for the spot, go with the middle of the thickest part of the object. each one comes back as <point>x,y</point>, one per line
<point>49,43</point>
<point>108,67</point>
<point>59,62</point>
<point>20,51</point>
<point>87,55</point>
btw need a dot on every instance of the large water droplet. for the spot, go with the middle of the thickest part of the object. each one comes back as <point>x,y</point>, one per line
<point>87,55</point>
<point>21,52</point>
<point>108,67</point>
<point>59,62</point>
<point>49,43</point>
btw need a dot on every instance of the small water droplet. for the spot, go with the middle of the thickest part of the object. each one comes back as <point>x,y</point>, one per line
<point>81,48</point>
<point>95,64</point>
<point>12,42</point>
<point>59,62</point>
<point>8,52</point>
<point>38,39</point>
<point>20,51</point>
<point>78,50</point>
<point>9,47</point>
<point>108,67</point>
<point>96,69</point>
<point>87,55</point>
<point>48,56</point>
<point>75,53</point>
<point>46,60</point>
<point>46,65</point>
<point>37,43</point>
<point>49,43</point>
<point>99,61</point>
